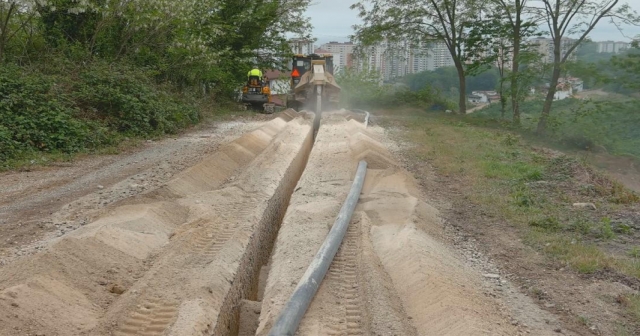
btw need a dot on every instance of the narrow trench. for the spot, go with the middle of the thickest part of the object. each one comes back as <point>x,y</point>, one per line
<point>240,312</point>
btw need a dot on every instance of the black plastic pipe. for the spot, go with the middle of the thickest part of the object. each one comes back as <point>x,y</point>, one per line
<point>293,312</point>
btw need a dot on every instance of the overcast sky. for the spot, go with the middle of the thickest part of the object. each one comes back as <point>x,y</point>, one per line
<point>332,21</point>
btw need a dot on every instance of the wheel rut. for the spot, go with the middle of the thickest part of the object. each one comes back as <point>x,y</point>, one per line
<point>343,278</point>
<point>151,318</point>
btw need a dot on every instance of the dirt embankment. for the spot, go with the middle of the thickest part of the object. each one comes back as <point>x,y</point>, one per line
<point>390,276</point>
<point>173,260</point>
<point>43,203</point>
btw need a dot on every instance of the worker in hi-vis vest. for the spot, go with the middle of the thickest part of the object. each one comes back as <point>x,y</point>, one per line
<point>255,72</point>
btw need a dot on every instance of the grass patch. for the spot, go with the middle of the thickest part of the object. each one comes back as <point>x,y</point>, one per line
<point>531,188</point>
<point>632,304</point>
<point>600,122</point>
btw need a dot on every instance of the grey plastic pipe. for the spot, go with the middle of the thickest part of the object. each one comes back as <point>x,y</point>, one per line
<point>290,317</point>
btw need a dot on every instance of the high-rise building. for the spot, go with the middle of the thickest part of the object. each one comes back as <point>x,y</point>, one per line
<point>432,56</point>
<point>612,47</point>
<point>302,46</point>
<point>546,49</point>
<point>344,49</point>
<point>398,59</point>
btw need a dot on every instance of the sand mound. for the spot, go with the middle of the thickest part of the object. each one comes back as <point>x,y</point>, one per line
<point>389,276</point>
<point>170,264</point>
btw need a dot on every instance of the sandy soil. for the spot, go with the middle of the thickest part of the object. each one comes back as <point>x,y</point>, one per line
<point>168,261</point>
<point>175,238</point>
<point>394,273</point>
<point>47,202</point>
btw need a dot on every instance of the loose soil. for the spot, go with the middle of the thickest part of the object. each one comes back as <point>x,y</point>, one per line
<point>45,202</point>
<point>175,238</point>
<point>393,274</point>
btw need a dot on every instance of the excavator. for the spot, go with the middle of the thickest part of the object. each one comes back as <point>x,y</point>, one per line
<point>313,85</point>
<point>257,93</point>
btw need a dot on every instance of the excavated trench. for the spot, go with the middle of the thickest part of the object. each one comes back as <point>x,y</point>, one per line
<point>178,262</point>
<point>220,248</point>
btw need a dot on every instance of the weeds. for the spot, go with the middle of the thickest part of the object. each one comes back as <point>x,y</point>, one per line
<point>532,189</point>
<point>584,320</point>
<point>606,231</point>
<point>632,304</point>
<point>548,224</point>
<point>581,225</point>
<point>634,252</point>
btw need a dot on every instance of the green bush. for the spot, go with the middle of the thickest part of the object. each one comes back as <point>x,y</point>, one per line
<point>34,117</point>
<point>609,123</point>
<point>128,102</point>
<point>84,109</point>
<point>363,90</point>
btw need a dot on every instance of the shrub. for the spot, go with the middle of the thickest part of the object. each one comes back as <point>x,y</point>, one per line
<point>33,117</point>
<point>128,102</point>
<point>84,108</point>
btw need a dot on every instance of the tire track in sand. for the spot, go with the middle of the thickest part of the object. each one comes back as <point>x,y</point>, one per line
<point>151,318</point>
<point>344,281</point>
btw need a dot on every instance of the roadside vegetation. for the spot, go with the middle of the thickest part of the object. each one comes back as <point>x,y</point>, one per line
<point>558,204</point>
<point>362,90</point>
<point>82,75</point>
<point>599,124</point>
<point>535,189</point>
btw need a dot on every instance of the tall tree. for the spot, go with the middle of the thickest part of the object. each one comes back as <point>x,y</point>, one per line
<point>519,30</point>
<point>577,18</point>
<point>419,23</point>
<point>15,16</point>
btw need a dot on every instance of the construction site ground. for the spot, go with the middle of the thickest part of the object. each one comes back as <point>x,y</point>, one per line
<point>209,233</point>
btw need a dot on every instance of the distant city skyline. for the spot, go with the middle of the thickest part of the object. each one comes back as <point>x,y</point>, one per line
<point>332,20</point>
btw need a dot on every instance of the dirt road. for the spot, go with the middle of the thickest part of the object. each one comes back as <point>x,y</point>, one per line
<point>209,233</point>
<point>47,202</point>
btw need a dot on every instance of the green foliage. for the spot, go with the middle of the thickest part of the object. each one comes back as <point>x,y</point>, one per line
<point>594,124</point>
<point>445,81</point>
<point>55,113</point>
<point>33,117</point>
<point>420,23</point>
<point>76,75</point>
<point>127,102</point>
<point>605,229</point>
<point>362,89</point>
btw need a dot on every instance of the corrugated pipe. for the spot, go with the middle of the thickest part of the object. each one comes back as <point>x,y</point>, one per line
<point>293,312</point>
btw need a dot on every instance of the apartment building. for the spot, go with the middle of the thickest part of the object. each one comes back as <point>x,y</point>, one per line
<point>302,46</point>
<point>398,59</point>
<point>545,48</point>
<point>612,47</point>
<point>344,50</point>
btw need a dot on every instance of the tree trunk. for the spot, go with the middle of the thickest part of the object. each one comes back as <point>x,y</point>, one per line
<point>515,97</point>
<point>515,64</point>
<point>503,99</point>
<point>546,109</point>
<point>462,102</point>
<point>4,29</point>
<point>553,86</point>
